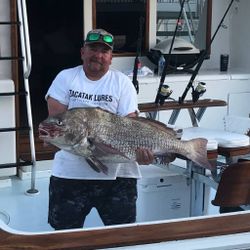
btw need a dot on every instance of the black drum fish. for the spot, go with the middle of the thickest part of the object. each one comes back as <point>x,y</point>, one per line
<point>97,134</point>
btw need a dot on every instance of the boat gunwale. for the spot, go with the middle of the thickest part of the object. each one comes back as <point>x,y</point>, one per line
<point>128,235</point>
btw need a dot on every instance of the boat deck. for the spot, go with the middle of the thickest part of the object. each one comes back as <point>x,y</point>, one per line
<point>25,212</point>
<point>22,211</point>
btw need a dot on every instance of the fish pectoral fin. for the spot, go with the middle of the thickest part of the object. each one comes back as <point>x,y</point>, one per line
<point>101,149</point>
<point>97,165</point>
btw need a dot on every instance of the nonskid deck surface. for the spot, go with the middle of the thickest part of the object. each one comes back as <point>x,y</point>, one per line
<point>29,213</point>
<point>25,212</point>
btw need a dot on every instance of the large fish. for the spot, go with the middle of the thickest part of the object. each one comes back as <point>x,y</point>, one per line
<point>99,135</point>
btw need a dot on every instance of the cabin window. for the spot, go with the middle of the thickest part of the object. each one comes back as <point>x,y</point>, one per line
<point>122,19</point>
<point>193,26</point>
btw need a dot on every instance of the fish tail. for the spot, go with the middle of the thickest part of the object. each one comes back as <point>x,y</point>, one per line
<point>198,152</point>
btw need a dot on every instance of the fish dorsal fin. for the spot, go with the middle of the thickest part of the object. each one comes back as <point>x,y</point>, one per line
<point>157,124</point>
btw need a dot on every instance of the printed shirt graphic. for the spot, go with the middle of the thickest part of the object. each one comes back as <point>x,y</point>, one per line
<point>113,92</point>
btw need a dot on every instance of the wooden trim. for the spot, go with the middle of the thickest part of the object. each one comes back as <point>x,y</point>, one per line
<point>43,152</point>
<point>148,107</point>
<point>230,152</point>
<point>14,40</point>
<point>130,235</point>
<point>15,66</point>
<point>147,25</point>
<point>94,13</point>
<point>234,186</point>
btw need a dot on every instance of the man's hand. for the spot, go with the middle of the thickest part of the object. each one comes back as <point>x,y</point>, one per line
<point>144,156</point>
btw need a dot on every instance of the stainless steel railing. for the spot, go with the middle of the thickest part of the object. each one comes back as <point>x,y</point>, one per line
<point>26,53</point>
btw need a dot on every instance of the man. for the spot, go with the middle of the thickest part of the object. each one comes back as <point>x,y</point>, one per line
<point>75,188</point>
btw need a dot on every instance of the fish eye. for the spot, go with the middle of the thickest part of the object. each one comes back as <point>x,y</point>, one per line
<point>59,123</point>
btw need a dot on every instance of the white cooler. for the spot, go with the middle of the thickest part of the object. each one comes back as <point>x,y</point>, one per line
<point>222,137</point>
<point>162,194</point>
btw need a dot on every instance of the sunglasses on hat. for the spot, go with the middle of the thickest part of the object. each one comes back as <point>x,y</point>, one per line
<point>94,37</point>
<point>101,38</point>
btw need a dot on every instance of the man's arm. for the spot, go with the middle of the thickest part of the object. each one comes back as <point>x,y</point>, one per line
<point>55,107</point>
<point>134,114</point>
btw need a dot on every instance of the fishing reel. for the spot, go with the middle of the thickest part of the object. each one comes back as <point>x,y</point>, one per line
<point>198,91</point>
<point>164,94</point>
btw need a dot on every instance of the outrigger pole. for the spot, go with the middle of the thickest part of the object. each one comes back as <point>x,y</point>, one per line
<point>138,53</point>
<point>164,71</point>
<point>203,56</point>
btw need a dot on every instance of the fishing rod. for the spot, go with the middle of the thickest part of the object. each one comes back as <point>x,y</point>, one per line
<point>159,94</point>
<point>202,58</point>
<point>138,53</point>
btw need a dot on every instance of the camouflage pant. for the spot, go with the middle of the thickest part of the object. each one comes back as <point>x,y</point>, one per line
<point>70,201</point>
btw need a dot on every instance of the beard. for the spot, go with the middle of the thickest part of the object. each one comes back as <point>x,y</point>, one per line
<point>95,65</point>
<point>95,69</point>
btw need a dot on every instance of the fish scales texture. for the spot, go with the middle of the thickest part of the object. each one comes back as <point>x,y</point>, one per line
<point>84,130</point>
<point>127,135</point>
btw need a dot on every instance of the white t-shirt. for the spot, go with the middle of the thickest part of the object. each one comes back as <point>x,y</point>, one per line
<point>113,92</point>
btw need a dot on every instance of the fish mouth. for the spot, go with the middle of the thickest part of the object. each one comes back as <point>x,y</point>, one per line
<point>43,133</point>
